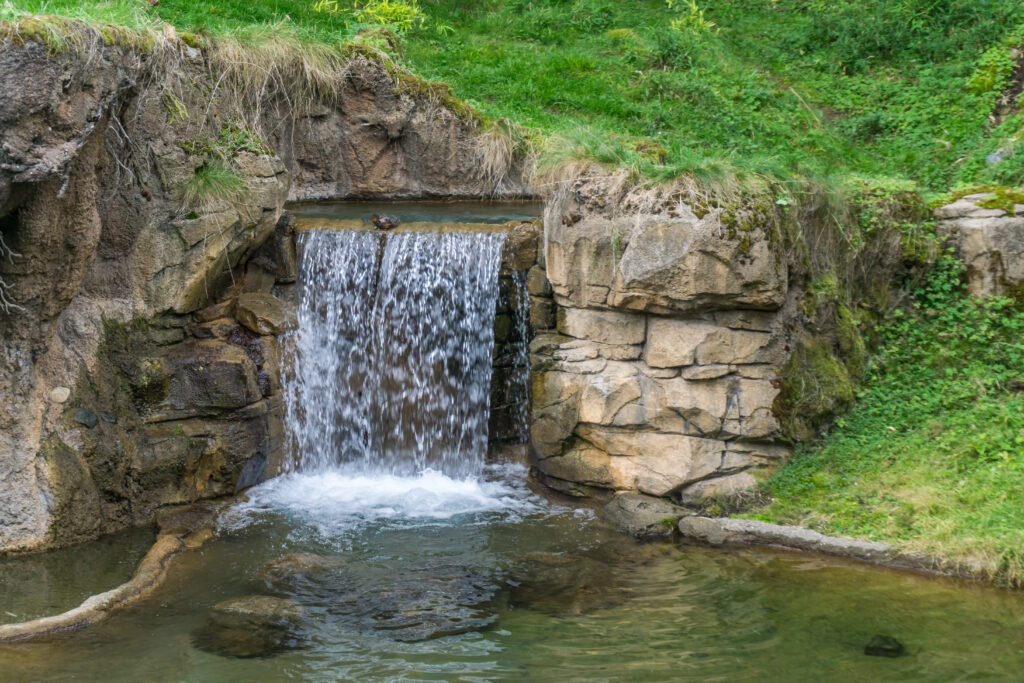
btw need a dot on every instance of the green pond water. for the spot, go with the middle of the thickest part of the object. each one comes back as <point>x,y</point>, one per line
<point>545,591</point>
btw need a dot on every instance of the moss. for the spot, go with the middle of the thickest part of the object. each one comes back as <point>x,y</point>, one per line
<point>75,509</point>
<point>651,151</point>
<point>416,87</point>
<point>1016,292</point>
<point>740,220</point>
<point>814,386</point>
<point>176,110</point>
<point>1004,199</point>
<point>919,248</point>
<point>191,39</point>
<point>852,347</point>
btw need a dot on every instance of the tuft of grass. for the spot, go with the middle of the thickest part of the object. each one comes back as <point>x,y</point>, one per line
<point>932,456</point>
<point>213,181</point>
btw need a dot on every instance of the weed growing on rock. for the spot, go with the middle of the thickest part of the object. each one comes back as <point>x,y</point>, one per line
<point>213,181</point>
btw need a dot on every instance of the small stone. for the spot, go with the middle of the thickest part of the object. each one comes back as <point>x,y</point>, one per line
<point>60,394</point>
<point>214,311</point>
<point>85,417</point>
<point>265,314</point>
<point>884,646</point>
<point>537,282</point>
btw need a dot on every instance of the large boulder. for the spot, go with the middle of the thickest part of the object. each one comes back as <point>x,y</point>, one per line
<point>197,378</point>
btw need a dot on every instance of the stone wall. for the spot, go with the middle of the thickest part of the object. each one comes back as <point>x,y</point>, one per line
<point>671,331</point>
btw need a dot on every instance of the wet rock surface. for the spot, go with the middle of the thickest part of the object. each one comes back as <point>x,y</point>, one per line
<point>113,267</point>
<point>643,516</point>
<point>251,626</point>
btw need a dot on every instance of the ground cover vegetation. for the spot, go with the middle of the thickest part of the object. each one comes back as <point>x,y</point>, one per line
<point>932,457</point>
<point>838,109</point>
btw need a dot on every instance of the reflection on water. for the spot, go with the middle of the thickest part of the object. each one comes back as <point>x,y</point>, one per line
<point>542,592</point>
<point>41,584</point>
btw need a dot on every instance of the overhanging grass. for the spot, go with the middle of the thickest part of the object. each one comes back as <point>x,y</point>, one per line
<point>932,456</point>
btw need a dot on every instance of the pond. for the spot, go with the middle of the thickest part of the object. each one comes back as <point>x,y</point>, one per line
<point>526,589</point>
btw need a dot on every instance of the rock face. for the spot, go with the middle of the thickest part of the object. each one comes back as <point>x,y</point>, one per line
<point>990,241</point>
<point>126,382</point>
<point>661,375</point>
<point>661,262</point>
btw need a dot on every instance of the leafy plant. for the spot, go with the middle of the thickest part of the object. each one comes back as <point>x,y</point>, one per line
<point>691,18</point>
<point>401,16</point>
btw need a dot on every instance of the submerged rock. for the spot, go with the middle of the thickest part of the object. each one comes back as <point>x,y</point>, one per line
<point>563,584</point>
<point>251,626</point>
<point>643,516</point>
<point>409,605</point>
<point>884,646</point>
<point>294,571</point>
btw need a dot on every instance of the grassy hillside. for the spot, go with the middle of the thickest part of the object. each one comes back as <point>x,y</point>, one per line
<point>932,456</point>
<point>922,90</point>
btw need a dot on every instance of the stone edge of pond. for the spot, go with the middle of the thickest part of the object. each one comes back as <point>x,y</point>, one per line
<point>718,531</point>
<point>148,576</point>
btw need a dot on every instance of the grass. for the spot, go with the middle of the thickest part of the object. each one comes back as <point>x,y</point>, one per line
<point>785,89</point>
<point>932,456</point>
<point>213,181</point>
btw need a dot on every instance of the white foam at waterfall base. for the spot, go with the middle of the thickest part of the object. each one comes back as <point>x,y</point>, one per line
<point>337,500</point>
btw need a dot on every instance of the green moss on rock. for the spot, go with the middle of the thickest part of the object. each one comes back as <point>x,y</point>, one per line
<point>815,385</point>
<point>1004,199</point>
<point>852,348</point>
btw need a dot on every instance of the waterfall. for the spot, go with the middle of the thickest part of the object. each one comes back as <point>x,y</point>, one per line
<point>390,367</point>
<point>520,377</point>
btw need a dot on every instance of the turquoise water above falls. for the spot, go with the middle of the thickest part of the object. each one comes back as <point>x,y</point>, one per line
<point>563,598</point>
<point>430,211</point>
